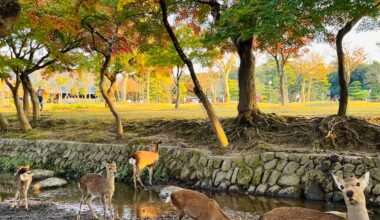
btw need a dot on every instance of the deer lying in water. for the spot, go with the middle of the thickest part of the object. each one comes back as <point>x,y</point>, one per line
<point>196,205</point>
<point>94,185</point>
<point>353,193</point>
<point>142,159</point>
<point>23,179</point>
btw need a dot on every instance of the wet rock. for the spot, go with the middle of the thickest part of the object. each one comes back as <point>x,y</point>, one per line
<point>42,174</point>
<point>270,165</point>
<point>338,196</point>
<point>335,167</point>
<point>289,180</point>
<point>291,167</point>
<point>273,191</point>
<point>51,182</point>
<point>368,161</point>
<point>304,159</point>
<point>224,185</point>
<point>376,202</point>
<point>375,173</point>
<point>348,169</point>
<point>360,169</point>
<point>219,178</point>
<point>314,192</point>
<point>244,175</point>
<point>234,175</point>
<point>267,156</point>
<point>294,157</point>
<point>233,188</point>
<point>261,189</point>
<point>325,165</point>
<point>290,192</point>
<point>251,189</point>
<point>335,158</point>
<point>266,176</point>
<point>168,190</point>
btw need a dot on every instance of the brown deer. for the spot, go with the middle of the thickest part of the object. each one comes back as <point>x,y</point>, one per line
<point>353,193</point>
<point>94,185</point>
<point>23,179</point>
<point>196,205</point>
<point>142,159</point>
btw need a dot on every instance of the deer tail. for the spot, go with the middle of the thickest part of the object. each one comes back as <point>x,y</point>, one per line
<point>132,161</point>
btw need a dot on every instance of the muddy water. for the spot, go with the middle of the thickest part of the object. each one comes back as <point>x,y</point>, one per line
<point>131,204</point>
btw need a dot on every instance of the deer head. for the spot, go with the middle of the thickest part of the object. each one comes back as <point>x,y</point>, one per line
<point>352,188</point>
<point>111,169</point>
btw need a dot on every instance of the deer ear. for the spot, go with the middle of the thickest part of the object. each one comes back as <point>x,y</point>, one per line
<point>338,181</point>
<point>365,179</point>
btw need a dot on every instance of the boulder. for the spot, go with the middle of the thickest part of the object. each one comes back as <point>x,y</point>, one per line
<point>167,191</point>
<point>244,175</point>
<point>375,173</point>
<point>290,192</point>
<point>42,174</point>
<point>267,156</point>
<point>314,192</point>
<point>289,180</point>
<point>51,182</point>
<point>291,167</point>
<point>261,189</point>
<point>270,165</point>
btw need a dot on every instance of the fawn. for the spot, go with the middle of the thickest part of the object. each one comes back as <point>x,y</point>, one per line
<point>23,179</point>
<point>196,205</point>
<point>142,159</point>
<point>94,185</point>
<point>353,193</point>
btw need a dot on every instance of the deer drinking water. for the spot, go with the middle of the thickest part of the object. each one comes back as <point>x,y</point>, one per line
<point>142,159</point>
<point>196,205</point>
<point>94,185</point>
<point>23,179</point>
<point>353,193</point>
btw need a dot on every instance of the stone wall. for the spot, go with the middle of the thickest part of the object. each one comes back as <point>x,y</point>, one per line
<point>269,173</point>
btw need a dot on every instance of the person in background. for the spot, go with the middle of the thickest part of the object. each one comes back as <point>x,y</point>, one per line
<point>41,97</point>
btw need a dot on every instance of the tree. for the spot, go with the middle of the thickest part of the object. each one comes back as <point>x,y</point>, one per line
<point>356,91</point>
<point>345,15</point>
<point>352,58</point>
<point>217,126</point>
<point>225,66</point>
<point>104,23</point>
<point>9,11</point>
<point>43,37</point>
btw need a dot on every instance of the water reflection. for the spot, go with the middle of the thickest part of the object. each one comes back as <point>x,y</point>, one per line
<point>146,204</point>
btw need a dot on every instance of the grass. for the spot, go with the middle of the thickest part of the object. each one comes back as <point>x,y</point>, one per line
<point>195,111</point>
<point>94,123</point>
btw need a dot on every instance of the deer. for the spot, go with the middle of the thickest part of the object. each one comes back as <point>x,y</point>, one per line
<point>23,178</point>
<point>142,159</point>
<point>196,205</point>
<point>94,185</point>
<point>353,193</point>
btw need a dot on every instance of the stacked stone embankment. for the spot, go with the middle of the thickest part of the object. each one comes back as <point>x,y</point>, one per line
<point>279,174</point>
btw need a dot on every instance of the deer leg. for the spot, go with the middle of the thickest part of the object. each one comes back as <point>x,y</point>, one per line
<point>84,197</point>
<point>150,175</point>
<point>89,203</point>
<point>15,200</point>
<point>180,215</point>
<point>134,176</point>
<point>25,194</point>
<point>104,203</point>
<point>110,206</point>
<point>138,179</point>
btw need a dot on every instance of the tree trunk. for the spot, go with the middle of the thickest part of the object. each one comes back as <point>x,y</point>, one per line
<point>227,96</point>
<point>148,87</point>
<point>309,90</point>
<point>303,89</point>
<point>247,91</point>
<point>3,122</point>
<point>178,95</point>
<point>119,124</point>
<point>343,78</point>
<point>25,100</point>
<point>216,125</point>
<point>124,87</point>
<point>24,122</point>
<point>33,96</point>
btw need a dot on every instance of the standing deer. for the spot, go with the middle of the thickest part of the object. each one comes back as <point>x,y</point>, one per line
<point>142,159</point>
<point>23,179</point>
<point>353,192</point>
<point>94,185</point>
<point>196,205</point>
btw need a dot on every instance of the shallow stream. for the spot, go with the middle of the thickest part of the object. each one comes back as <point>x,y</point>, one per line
<point>145,204</point>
